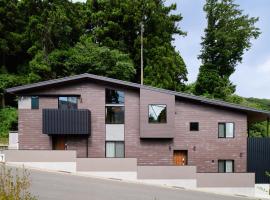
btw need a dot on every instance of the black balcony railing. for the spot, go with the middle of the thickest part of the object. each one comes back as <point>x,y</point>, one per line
<point>70,122</point>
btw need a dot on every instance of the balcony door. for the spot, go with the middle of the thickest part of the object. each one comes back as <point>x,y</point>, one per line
<point>59,143</point>
<point>180,157</point>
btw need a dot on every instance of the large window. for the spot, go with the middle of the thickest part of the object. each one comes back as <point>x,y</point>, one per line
<point>226,130</point>
<point>115,114</point>
<point>115,149</point>
<point>225,166</point>
<point>34,102</point>
<point>67,102</point>
<point>115,97</point>
<point>157,113</point>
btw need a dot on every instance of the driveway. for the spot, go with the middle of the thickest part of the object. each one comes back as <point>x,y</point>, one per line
<point>58,186</point>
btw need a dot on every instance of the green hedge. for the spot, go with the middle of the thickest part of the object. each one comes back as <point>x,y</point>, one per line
<point>8,121</point>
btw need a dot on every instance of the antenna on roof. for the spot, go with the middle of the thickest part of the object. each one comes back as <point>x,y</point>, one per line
<point>142,30</point>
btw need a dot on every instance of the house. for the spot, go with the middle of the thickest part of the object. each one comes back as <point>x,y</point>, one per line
<point>101,117</point>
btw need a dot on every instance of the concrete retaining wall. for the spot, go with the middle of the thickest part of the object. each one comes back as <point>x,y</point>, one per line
<point>166,172</point>
<point>107,164</point>
<point>226,180</point>
<point>42,159</point>
<point>116,168</point>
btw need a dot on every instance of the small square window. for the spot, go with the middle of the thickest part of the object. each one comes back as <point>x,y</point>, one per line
<point>34,102</point>
<point>226,130</point>
<point>157,113</point>
<point>194,126</point>
<point>226,166</point>
<point>115,149</point>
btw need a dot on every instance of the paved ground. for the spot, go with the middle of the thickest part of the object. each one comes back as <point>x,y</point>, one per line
<point>58,186</point>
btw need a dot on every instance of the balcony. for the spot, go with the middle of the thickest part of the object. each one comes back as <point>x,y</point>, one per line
<point>66,122</point>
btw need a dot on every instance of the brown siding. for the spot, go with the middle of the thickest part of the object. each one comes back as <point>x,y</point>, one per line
<point>208,146</point>
<point>203,146</point>
<point>150,130</point>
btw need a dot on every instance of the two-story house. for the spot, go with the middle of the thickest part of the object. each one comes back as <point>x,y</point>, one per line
<point>103,117</point>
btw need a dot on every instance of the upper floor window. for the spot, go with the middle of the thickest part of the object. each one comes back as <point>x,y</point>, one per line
<point>194,126</point>
<point>115,97</point>
<point>225,166</point>
<point>157,113</point>
<point>34,102</point>
<point>226,130</point>
<point>115,114</point>
<point>67,102</point>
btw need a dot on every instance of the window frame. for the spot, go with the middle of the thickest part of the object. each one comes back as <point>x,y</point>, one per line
<point>123,142</point>
<point>225,131</point>
<point>224,165</point>
<point>37,105</point>
<point>111,103</point>
<point>198,126</point>
<point>67,102</point>
<point>149,122</point>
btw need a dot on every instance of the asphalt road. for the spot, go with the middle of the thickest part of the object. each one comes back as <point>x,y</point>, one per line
<point>58,186</point>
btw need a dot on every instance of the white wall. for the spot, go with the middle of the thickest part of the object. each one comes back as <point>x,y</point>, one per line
<point>24,102</point>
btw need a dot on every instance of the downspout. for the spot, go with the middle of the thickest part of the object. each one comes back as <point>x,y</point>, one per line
<point>267,128</point>
<point>87,147</point>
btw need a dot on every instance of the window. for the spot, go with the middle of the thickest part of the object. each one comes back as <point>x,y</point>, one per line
<point>225,130</point>
<point>225,166</point>
<point>115,97</point>
<point>115,150</point>
<point>34,102</point>
<point>194,126</point>
<point>115,114</point>
<point>67,103</point>
<point>157,113</point>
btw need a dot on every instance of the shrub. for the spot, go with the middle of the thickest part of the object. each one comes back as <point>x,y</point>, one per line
<point>14,184</point>
<point>8,121</point>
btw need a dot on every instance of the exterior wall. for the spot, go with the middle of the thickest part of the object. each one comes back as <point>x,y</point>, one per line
<point>92,98</point>
<point>152,130</point>
<point>204,147</point>
<point>30,126</point>
<point>147,151</point>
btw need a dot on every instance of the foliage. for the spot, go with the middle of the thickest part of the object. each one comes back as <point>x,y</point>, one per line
<point>84,57</point>
<point>227,36</point>
<point>8,121</point>
<point>14,185</point>
<point>116,24</point>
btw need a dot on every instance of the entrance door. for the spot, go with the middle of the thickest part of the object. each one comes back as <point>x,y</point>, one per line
<point>180,157</point>
<point>58,143</point>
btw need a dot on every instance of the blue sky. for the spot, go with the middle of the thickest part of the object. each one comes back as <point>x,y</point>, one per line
<point>252,76</point>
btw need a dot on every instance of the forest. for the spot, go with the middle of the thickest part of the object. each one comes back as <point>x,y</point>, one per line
<point>48,39</point>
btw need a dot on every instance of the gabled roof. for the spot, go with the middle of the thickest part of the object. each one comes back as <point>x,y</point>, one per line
<point>199,99</point>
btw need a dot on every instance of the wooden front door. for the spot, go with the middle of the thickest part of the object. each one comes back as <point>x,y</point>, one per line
<point>59,143</point>
<point>180,157</point>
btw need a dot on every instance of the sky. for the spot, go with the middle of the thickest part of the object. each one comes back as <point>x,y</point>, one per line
<point>252,76</point>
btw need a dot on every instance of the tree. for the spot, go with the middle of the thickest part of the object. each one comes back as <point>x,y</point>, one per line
<point>84,57</point>
<point>227,36</point>
<point>116,24</point>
